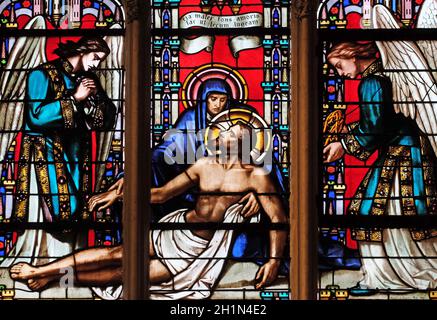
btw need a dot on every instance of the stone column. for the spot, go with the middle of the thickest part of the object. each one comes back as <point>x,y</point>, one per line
<point>304,150</point>
<point>136,214</point>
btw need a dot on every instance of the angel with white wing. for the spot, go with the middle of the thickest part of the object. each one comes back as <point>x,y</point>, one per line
<point>398,118</point>
<point>55,105</point>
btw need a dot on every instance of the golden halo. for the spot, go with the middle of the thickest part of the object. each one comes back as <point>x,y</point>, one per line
<point>233,78</point>
<point>228,118</point>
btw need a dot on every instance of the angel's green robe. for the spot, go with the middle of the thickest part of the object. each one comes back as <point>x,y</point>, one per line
<point>56,140</point>
<point>402,149</point>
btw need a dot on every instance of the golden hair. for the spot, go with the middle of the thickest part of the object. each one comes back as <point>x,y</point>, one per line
<point>349,50</point>
<point>84,45</point>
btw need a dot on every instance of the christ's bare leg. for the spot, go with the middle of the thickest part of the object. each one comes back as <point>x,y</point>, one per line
<point>108,276</point>
<point>82,261</point>
<point>93,267</point>
<point>158,272</point>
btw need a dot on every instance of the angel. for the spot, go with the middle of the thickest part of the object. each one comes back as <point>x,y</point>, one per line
<point>398,118</point>
<point>56,105</point>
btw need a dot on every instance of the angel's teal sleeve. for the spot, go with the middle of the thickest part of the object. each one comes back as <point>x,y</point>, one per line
<point>43,109</point>
<point>368,134</point>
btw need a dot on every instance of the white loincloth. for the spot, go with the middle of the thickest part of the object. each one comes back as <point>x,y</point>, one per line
<point>195,263</point>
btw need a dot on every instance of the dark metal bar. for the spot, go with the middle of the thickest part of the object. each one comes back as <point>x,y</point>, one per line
<point>112,226</point>
<point>220,226</point>
<point>58,226</point>
<point>351,221</point>
<point>377,34</point>
<point>60,32</point>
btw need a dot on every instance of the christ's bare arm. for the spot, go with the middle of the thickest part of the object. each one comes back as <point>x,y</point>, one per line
<point>186,180</point>
<point>273,207</point>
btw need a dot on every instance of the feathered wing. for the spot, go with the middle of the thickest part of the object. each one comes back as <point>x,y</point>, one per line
<point>427,19</point>
<point>111,79</point>
<point>27,53</point>
<point>414,88</point>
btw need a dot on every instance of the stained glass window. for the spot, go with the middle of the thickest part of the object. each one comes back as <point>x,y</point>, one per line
<point>220,68</point>
<point>220,143</point>
<point>61,132</point>
<point>377,232</point>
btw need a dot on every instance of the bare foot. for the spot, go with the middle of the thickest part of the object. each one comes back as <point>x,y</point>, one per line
<point>22,271</point>
<point>38,284</point>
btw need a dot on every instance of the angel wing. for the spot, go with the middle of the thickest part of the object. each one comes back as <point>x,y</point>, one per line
<point>427,19</point>
<point>414,88</point>
<point>111,79</point>
<point>27,53</point>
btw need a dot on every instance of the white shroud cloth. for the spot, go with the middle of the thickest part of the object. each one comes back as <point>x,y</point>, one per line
<point>194,262</point>
<point>410,267</point>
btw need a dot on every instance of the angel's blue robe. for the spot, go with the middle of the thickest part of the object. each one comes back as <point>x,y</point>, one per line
<point>402,148</point>
<point>57,141</point>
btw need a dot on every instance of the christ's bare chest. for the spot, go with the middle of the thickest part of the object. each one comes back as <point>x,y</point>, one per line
<point>221,180</point>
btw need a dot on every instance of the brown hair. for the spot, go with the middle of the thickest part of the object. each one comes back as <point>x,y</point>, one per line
<point>244,137</point>
<point>349,50</point>
<point>84,45</point>
<point>245,140</point>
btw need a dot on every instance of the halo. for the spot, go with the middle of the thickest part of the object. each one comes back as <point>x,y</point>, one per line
<point>195,79</point>
<point>228,118</point>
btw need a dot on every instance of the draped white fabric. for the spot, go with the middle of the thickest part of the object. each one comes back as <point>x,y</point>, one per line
<point>196,263</point>
<point>399,262</point>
